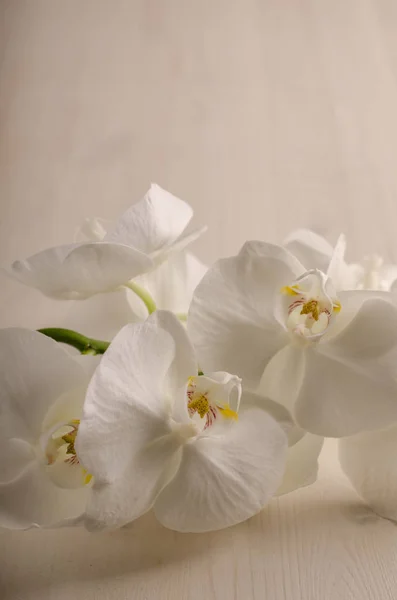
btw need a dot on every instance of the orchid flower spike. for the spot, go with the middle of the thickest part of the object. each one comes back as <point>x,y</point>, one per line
<point>144,237</point>
<point>328,357</point>
<point>156,434</point>
<point>42,389</point>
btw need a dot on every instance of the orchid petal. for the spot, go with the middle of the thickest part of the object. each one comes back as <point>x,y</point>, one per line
<point>232,321</point>
<point>336,397</point>
<point>369,461</point>
<point>32,499</point>
<point>226,476</point>
<point>77,271</point>
<point>34,372</point>
<point>302,464</point>
<point>16,455</point>
<point>184,364</point>
<point>152,224</point>
<point>173,282</point>
<point>134,492</point>
<point>102,315</point>
<point>125,405</point>
<point>313,251</point>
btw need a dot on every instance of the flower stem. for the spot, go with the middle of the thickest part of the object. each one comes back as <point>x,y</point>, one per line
<point>84,344</point>
<point>143,295</point>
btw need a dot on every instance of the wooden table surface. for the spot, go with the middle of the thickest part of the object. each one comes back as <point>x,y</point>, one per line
<point>265,115</point>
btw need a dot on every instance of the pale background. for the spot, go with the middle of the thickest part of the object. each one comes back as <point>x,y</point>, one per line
<point>265,115</point>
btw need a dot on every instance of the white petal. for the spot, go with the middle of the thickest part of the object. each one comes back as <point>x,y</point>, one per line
<point>311,249</point>
<point>369,460</point>
<point>102,315</point>
<point>302,463</point>
<point>232,321</point>
<point>15,456</point>
<point>78,271</point>
<point>275,410</point>
<point>34,372</point>
<point>274,252</point>
<point>173,282</point>
<point>125,407</point>
<point>184,364</point>
<point>388,276</point>
<point>340,397</point>
<point>32,499</point>
<point>152,224</point>
<point>371,333</point>
<point>225,477</point>
<point>221,388</point>
<point>134,492</point>
<point>92,229</point>
<point>182,242</point>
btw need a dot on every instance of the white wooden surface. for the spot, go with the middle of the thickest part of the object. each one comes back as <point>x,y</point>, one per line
<point>265,115</point>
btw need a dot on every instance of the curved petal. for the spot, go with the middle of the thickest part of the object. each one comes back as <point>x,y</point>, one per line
<point>274,252</point>
<point>340,397</point>
<point>126,401</point>
<point>16,455</point>
<point>78,271</point>
<point>153,223</point>
<point>302,464</point>
<point>275,410</point>
<point>184,364</point>
<point>231,319</point>
<point>32,499</point>
<point>370,333</point>
<point>34,372</point>
<point>369,461</point>
<point>184,241</point>
<point>173,282</point>
<point>311,249</point>
<point>102,315</point>
<point>226,476</point>
<point>134,492</point>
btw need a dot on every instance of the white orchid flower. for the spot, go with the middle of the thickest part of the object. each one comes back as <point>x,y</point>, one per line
<point>314,251</point>
<point>42,391</point>
<point>329,359</point>
<point>171,285</point>
<point>146,234</point>
<point>369,461</point>
<point>156,434</point>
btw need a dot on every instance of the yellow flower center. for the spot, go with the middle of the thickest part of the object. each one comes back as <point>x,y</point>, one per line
<point>199,405</point>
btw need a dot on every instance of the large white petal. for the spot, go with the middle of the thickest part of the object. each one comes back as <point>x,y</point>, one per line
<point>34,372</point>
<point>153,223</point>
<point>32,499</point>
<point>134,492</point>
<point>226,476</point>
<point>125,407</point>
<point>311,249</point>
<point>302,463</point>
<point>15,456</point>
<point>102,315</point>
<point>232,318</point>
<point>173,282</point>
<point>78,271</point>
<point>369,460</point>
<point>340,397</point>
<point>184,364</point>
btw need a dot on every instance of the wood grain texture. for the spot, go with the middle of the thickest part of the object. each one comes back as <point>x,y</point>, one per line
<point>266,116</point>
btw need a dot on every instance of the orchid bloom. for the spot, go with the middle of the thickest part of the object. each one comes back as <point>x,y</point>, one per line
<point>156,434</point>
<point>143,238</point>
<point>314,251</point>
<point>329,358</point>
<point>170,284</point>
<point>42,388</point>
<point>369,461</point>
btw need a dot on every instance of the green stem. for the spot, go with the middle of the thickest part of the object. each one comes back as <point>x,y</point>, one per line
<point>84,344</point>
<point>143,295</point>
